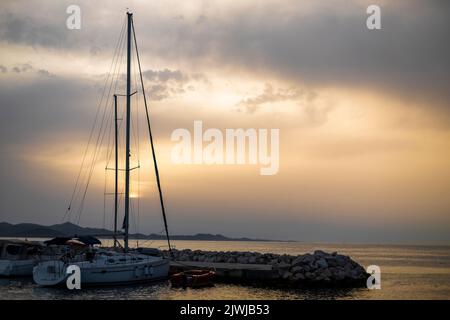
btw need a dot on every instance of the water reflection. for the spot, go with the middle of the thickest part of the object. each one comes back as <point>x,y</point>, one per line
<point>24,288</point>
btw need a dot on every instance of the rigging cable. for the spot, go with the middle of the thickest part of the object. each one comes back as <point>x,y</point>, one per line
<point>151,143</point>
<point>137,136</point>
<point>72,198</point>
<point>100,136</point>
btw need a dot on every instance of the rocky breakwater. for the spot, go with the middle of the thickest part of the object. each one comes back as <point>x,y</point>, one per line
<point>317,269</point>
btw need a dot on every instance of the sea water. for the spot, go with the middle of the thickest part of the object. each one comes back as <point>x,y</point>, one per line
<point>407,272</point>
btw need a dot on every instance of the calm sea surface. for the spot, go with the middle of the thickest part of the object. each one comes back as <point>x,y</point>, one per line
<point>407,272</point>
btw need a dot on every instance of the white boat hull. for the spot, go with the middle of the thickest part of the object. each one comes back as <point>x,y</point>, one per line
<point>15,268</point>
<point>54,273</point>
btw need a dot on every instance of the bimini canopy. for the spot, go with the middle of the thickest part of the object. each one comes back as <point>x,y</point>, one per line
<point>87,240</point>
<point>59,241</point>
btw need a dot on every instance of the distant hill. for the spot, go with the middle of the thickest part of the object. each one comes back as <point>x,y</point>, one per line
<point>69,229</point>
<point>27,230</point>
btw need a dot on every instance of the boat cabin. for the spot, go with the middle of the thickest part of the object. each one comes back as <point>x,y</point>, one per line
<point>18,249</point>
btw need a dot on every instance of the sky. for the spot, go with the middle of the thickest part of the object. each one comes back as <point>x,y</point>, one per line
<point>363,115</point>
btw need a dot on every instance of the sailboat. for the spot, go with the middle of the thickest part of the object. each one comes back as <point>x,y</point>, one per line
<point>118,265</point>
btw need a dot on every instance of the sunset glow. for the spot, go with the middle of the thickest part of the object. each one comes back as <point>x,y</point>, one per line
<point>364,123</point>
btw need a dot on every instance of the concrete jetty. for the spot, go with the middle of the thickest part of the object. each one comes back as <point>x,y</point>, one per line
<point>230,271</point>
<point>318,269</point>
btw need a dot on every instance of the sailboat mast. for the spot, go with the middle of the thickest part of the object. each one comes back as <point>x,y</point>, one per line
<point>116,171</point>
<point>127,144</point>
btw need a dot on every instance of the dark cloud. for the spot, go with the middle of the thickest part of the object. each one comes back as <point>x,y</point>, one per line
<point>325,44</point>
<point>46,27</point>
<point>21,28</point>
<point>314,113</point>
<point>166,83</point>
<point>43,72</point>
<point>408,57</point>
<point>26,68</point>
<point>22,68</point>
<point>165,75</point>
<point>271,95</point>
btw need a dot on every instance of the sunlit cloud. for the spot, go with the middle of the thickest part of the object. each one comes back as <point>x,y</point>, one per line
<point>364,119</point>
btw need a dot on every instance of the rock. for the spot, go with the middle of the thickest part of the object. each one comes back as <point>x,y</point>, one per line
<point>297,261</point>
<point>283,266</point>
<point>183,257</point>
<point>340,275</point>
<point>326,273</point>
<point>331,261</point>
<point>309,275</point>
<point>348,268</point>
<point>307,259</point>
<point>355,274</point>
<point>274,261</point>
<point>341,260</point>
<point>299,277</point>
<point>286,275</point>
<point>285,258</point>
<point>320,253</point>
<point>231,260</point>
<point>320,277</point>
<point>296,269</point>
<point>321,263</point>
<point>242,259</point>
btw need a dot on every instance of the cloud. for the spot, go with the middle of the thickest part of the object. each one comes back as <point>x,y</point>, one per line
<point>22,68</point>
<point>271,95</point>
<point>320,44</point>
<point>324,45</point>
<point>26,68</point>
<point>299,49</point>
<point>165,75</point>
<point>311,109</point>
<point>43,72</point>
<point>22,28</point>
<point>166,83</point>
